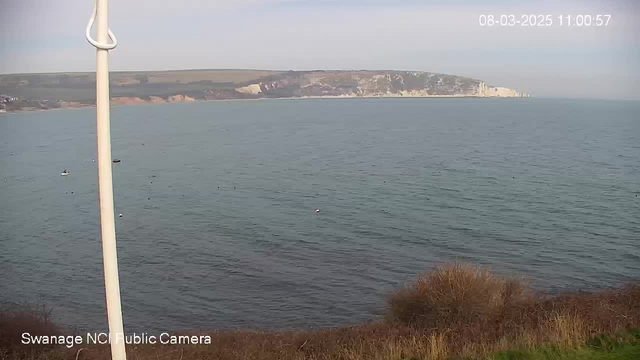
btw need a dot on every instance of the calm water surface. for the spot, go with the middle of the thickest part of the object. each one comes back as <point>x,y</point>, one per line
<point>219,228</point>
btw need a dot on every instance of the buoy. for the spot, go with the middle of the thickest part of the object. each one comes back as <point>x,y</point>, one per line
<point>119,215</point>
<point>317,211</point>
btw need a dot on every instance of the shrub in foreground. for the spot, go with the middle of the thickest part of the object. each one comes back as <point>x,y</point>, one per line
<point>455,293</point>
<point>16,320</point>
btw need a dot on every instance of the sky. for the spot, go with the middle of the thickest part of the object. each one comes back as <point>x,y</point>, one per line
<point>421,35</point>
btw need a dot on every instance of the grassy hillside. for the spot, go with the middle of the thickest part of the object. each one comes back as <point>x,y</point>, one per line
<point>81,86</point>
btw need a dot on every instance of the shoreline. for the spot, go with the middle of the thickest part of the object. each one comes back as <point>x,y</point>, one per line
<point>329,97</point>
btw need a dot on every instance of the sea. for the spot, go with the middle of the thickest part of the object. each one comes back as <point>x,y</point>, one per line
<point>220,227</point>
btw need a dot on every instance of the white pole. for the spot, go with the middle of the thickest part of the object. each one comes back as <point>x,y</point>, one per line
<point>105,182</point>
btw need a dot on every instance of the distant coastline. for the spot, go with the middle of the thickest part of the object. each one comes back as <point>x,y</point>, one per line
<point>31,92</point>
<point>119,101</point>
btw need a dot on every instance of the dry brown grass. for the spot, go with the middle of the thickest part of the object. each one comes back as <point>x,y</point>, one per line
<point>458,310</point>
<point>566,330</point>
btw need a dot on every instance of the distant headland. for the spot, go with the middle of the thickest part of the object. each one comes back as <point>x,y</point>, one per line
<point>23,92</point>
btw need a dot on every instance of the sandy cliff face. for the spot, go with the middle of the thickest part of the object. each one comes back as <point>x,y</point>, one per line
<point>157,100</point>
<point>250,89</point>
<point>132,100</point>
<point>129,100</point>
<point>180,98</point>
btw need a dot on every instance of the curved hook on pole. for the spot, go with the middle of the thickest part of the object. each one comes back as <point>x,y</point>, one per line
<point>101,46</point>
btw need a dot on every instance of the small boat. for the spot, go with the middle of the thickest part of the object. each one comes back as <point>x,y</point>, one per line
<point>116,160</point>
<point>65,173</point>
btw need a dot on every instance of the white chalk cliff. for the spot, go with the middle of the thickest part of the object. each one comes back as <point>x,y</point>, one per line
<point>372,84</point>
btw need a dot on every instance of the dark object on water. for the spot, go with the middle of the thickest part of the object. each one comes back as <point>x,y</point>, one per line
<point>116,160</point>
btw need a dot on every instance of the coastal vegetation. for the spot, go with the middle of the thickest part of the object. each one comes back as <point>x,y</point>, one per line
<point>456,311</point>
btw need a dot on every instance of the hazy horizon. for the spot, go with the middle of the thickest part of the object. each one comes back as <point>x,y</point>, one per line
<point>405,35</point>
